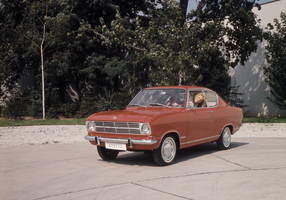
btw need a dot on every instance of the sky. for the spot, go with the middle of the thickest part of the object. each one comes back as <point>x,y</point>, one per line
<point>264,1</point>
<point>193,4</point>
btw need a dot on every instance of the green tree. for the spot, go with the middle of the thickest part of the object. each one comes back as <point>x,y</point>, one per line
<point>46,32</point>
<point>230,25</point>
<point>81,64</point>
<point>11,46</point>
<point>276,57</point>
<point>94,66</point>
<point>41,30</point>
<point>119,46</point>
<point>219,35</point>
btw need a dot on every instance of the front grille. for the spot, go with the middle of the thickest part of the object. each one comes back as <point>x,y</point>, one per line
<point>117,127</point>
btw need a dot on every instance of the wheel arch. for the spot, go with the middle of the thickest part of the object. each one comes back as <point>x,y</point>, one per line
<point>230,127</point>
<point>175,135</point>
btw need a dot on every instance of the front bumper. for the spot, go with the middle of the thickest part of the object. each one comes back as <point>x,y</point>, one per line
<point>128,141</point>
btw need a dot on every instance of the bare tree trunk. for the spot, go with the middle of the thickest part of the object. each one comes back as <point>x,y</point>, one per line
<point>43,73</point>
<point>180,77</point>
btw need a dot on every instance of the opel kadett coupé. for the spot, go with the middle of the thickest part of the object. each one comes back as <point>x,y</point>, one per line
<point>161,120</point>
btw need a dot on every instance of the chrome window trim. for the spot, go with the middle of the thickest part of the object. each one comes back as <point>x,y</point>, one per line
<point>203,91</point>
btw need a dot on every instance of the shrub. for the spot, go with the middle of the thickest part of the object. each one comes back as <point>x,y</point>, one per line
<point>87,107</point>
<point>68,110</point>
<point>113,100</point>
<point>109,100</point>
<point>34,107</point>
<point>52,113</point>
<point>15,108</point>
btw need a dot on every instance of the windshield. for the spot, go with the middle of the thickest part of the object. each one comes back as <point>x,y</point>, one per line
<point>160,97</point>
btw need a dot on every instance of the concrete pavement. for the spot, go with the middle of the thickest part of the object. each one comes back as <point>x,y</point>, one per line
<point>253,168</point>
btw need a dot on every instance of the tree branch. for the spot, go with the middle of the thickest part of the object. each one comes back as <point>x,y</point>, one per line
<point>27,38</point>
<point>97,33</point>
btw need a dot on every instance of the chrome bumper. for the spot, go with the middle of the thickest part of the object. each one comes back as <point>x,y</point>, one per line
<point>128,141</point>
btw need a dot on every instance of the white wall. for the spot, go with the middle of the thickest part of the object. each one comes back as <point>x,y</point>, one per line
<point>250,77</point>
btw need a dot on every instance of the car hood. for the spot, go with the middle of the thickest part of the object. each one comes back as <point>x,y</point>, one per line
<point>131,115</point>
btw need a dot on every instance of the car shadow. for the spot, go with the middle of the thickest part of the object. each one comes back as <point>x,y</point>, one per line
<point>142,159</point>
<point>134,158</point>
<point>202,150</point>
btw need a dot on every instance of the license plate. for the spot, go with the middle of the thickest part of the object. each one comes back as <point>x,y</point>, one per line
<point>115,146</point>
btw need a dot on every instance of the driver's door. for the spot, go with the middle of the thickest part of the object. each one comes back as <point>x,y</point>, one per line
<point>200,125</point>
<point>200,122</point>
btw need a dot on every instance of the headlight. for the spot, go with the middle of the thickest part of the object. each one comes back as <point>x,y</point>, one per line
<point>90,125</point>
<point>145,129</point>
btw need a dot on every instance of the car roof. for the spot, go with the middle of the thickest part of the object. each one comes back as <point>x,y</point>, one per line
<point>183,87</point>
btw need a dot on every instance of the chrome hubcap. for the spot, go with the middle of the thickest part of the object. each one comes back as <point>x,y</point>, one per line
<point>226,137</point>
<point>168,150</point>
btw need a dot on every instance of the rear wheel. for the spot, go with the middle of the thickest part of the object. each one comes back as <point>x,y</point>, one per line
<point>225,139</point>
<point>166,153</point>
<point>107,154</point>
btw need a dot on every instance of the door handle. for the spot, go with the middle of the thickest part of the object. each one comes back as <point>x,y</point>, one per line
<point>210,111</point>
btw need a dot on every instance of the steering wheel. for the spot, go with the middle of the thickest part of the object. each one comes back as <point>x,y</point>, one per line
<point>172,101</point>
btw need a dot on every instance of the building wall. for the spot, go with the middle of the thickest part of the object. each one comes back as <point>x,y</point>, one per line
<point>250,77</point>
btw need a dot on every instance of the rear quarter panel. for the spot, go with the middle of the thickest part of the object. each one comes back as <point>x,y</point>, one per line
<point>225,115</point>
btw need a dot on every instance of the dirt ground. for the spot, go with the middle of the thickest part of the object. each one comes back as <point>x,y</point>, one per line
<point>43,135</point>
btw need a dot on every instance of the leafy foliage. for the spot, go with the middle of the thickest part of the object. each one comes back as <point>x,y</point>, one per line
<point>229,25</point>
<point>220,35</point>
<point>34,106</point>
<point>68,110</point>
<point>92,65</point>
<point>12,47</point>
<point>105,51</point>
<point>109,100</point>
<point>276,57</point>
<point>15,106</point>
<point>38,38</point>
<point>52,113</point>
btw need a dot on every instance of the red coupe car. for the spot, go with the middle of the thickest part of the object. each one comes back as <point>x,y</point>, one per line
<point>162,120</point>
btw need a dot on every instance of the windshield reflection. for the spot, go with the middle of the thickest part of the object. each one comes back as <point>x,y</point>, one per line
<point>172,98</point>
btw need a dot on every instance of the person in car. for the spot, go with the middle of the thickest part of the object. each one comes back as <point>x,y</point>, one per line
<point>199,101</point>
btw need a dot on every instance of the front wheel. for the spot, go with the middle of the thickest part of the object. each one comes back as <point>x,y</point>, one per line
<point>165,154</point>
<point>106,154</point>
<point>224,140</point>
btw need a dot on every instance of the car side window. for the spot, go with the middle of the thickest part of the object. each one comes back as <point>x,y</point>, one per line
<point>211,99</point>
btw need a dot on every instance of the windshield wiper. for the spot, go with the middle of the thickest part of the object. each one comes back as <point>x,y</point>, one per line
<point>159,104</point>
<point>138,105</point>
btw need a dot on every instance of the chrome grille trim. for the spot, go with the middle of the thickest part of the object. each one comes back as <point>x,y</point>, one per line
<point>117,127</point>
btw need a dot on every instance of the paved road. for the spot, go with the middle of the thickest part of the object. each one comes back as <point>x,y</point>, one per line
<point>253,168</point>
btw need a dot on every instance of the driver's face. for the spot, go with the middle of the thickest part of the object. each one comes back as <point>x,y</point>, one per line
<point>198,99</point>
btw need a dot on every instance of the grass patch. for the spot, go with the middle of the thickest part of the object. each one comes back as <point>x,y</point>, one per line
<point>263,120</point>
<point>35,122</point>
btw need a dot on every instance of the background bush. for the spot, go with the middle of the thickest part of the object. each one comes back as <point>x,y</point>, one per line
<point>1,107</point>
<point>34,106</point>
<point>15,108</point>
<point>52,113</point>
<point>68,110</point>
